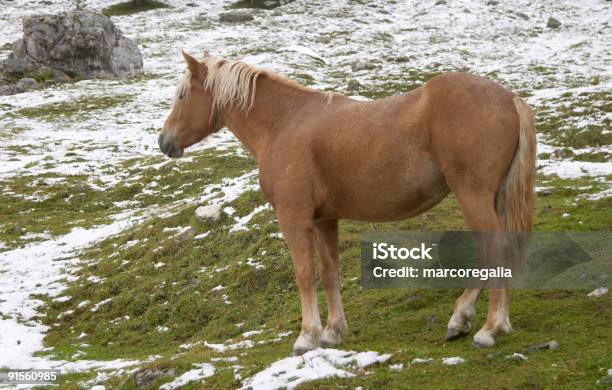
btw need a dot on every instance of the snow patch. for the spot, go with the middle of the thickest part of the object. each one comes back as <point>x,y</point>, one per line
<point>313,365</point>
<point>202,371</point>
<point>452,361</point>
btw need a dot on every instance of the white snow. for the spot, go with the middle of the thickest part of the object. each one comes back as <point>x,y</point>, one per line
<point>254,263</point>
<point>162,329</point>
<point>225,359</point>
<point>201,236</point>
<point>225,347</point>
<point>243,221</point>
<point>98,305</point>
<point>517,356</point>
<point>421,360</point>
<point>317,364</point>
<point>251,333</point>
<point>598,292</point>
<point>37,268</point>
<point>452,361</point>
<point>202,370</point>
<point>82,304</point>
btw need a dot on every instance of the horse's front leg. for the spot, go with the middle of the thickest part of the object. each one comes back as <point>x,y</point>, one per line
<point>326,243</point>
<point>298,233</point>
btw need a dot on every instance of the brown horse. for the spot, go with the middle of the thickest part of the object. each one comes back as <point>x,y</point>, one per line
<point>324,157</point>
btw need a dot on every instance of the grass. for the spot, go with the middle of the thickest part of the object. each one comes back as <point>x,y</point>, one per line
<point>83,107</point>
<point>132,7</point>
<point>44,204</point>
<point>408,323</point>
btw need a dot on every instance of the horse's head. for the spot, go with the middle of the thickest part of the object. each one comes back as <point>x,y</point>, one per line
<point>191,117</point>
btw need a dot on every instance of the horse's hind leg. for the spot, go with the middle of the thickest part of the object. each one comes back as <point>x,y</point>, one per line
<point>478,209</point>
<point>326,243</point>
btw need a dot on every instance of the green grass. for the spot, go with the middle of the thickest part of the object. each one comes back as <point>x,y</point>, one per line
<point>555,124</point>
<point>40,204</point>
<point>83,107</point>
<point>130,7</point>
<point>179,295</point>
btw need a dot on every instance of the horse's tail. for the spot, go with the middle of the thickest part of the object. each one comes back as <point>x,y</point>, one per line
<point>515,199</point>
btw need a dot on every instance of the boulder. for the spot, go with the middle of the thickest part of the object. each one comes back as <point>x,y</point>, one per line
<point>261,4</point>
<point>26,84</point>
<point>7,90</point>
<point>145,377</point>
<point>78,43</point>
<point>238,16</point>
<point>210,212</point>
<point>553,23</point>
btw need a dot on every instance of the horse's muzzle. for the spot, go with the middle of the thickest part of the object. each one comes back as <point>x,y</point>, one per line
<point>167,144</point>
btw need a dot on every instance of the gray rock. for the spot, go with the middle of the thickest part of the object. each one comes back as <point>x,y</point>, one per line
<point>238,16</point>
<point>76,43</point>
<point>6,46</point>
<point>261,4</point>
<point>522,15</point>
<point>353,85</point>
<point>552,345</point>
<point>553,23</point>
<point>146,377</point>
<point>210,212</point>
<point>7,90</point>
<point>26,84</point>
<point>362,64</point>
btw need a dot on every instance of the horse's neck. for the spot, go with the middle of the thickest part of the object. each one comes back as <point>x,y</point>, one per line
<point>275,103</point>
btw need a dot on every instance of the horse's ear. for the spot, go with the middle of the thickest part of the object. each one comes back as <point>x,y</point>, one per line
<point>206,54</point>
<point>192,64</point>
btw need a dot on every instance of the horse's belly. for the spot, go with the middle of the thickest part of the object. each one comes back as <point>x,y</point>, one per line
<point>380,197</point>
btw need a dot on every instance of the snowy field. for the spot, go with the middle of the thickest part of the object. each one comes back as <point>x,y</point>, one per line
<point>564,73</point>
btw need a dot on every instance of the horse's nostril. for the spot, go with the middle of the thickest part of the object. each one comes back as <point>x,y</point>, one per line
<point>168,147</point>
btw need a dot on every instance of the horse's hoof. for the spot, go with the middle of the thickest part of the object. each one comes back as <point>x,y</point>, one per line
<point>483,340</point>
<point>300,351</point>
<point>325,343</point>
<point>479,345</point>
<point>305,343</point>
<point>454,333</point>
<point>330,338</point>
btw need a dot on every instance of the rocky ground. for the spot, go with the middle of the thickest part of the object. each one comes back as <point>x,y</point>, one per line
<point>106,272</point>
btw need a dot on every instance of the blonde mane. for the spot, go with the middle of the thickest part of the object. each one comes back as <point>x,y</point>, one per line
<point>233,83</point>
